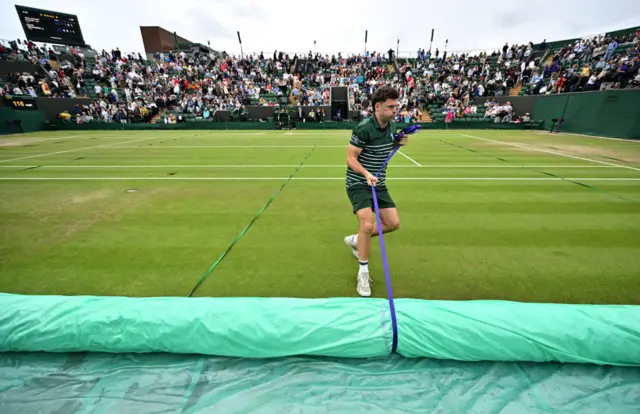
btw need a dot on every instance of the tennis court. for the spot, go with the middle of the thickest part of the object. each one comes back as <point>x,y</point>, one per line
<point>512,215</point>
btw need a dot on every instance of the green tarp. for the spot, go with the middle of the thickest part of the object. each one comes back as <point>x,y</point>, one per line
<point>514,331</point>
<point>339,327</point>
<point>284,355</point>
<point>241,327</point>
<point>168,383</point>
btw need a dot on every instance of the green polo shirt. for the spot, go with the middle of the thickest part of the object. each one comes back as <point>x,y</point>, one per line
<point>376,144</point>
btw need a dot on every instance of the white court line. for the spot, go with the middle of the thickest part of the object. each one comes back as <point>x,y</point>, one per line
<point>27,140</point>
<point>306,178</point>
<point>296,165</point>
<point>551,152</point>
<point>409,158</point>
<point>343,132</point>
<point>193,166</point>
<point>75,149</point>
<point>226,146</point>
<point>260,137</point>
<point>591,136</point>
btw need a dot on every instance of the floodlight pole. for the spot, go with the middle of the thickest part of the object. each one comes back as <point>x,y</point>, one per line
<point>366,34</point>
<point>240,41</point>
<point>431,42</point>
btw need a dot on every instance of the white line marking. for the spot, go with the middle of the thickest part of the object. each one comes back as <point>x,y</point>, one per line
<point>341,132</point>
<point>27,140</point>
<point>227,146</point>
<point>260,137</point>
<point>592,136</point>
<point>308,178</point>
<point>192,166</point>
<point>551,152</point>
<point>304,166</point>
<point>72,150</point>
<point>409,158</point>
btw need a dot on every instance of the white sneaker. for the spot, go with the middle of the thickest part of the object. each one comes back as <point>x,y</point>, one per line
<point>350,241</point>
<point>364,284</point>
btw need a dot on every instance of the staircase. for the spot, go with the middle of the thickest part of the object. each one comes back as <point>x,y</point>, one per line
<point>89,82</point>
<point>426,117</point>
<point>547,57</point>
<point>156,117</point>
<point>516,89</point>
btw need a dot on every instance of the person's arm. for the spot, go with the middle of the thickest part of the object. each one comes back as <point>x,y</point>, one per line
<point>354,149</point>
<point>352,161</point>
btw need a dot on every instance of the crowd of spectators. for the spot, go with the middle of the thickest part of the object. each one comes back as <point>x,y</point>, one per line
<point>190,83</point>
<point>55,82</point>
<point>595,63</point>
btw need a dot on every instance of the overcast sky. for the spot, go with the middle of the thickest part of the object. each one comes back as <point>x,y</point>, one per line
<point>336,25</point>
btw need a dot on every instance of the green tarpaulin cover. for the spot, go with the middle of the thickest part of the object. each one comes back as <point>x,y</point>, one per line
<point>235,355</point>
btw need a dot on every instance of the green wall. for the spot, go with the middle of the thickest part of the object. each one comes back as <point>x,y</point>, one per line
<point>614,113</point>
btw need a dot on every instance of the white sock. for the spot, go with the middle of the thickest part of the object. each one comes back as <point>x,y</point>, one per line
<point>364,267</point>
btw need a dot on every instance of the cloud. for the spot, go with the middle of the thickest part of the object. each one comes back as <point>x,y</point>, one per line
<point>509,19</point>
<point>206,22</point>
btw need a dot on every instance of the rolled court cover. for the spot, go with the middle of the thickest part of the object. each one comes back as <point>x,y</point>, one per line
<point>318,355</point>
<point>337,327</point>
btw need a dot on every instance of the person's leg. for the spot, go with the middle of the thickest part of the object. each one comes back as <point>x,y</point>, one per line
<point>363,249</point>
<point>390,221</point>
<point>361,199</point>
<point>388,215</point>
<point>360,243</point>
<point>367,225</point>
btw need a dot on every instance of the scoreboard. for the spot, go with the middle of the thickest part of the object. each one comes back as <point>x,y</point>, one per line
<point>50,27</point>
<point>21,102</point>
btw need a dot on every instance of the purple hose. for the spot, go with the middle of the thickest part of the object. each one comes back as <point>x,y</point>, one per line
<point>392,308</point>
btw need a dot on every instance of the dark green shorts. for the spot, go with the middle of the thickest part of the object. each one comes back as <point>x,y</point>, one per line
<point>362,197</point>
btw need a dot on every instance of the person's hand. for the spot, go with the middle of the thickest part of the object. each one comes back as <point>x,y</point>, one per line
<point>371,179</point>
<point>402,141</point>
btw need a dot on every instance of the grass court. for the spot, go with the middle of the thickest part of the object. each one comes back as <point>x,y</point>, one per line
<point>512,215</point>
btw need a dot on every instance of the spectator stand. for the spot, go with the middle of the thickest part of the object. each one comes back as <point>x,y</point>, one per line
<point>196,84</point>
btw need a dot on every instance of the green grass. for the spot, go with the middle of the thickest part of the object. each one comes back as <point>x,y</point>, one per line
<point>482,216</point>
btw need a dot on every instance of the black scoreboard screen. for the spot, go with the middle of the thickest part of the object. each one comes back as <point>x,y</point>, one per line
<point>50,27</point>
<point>21,102</point>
